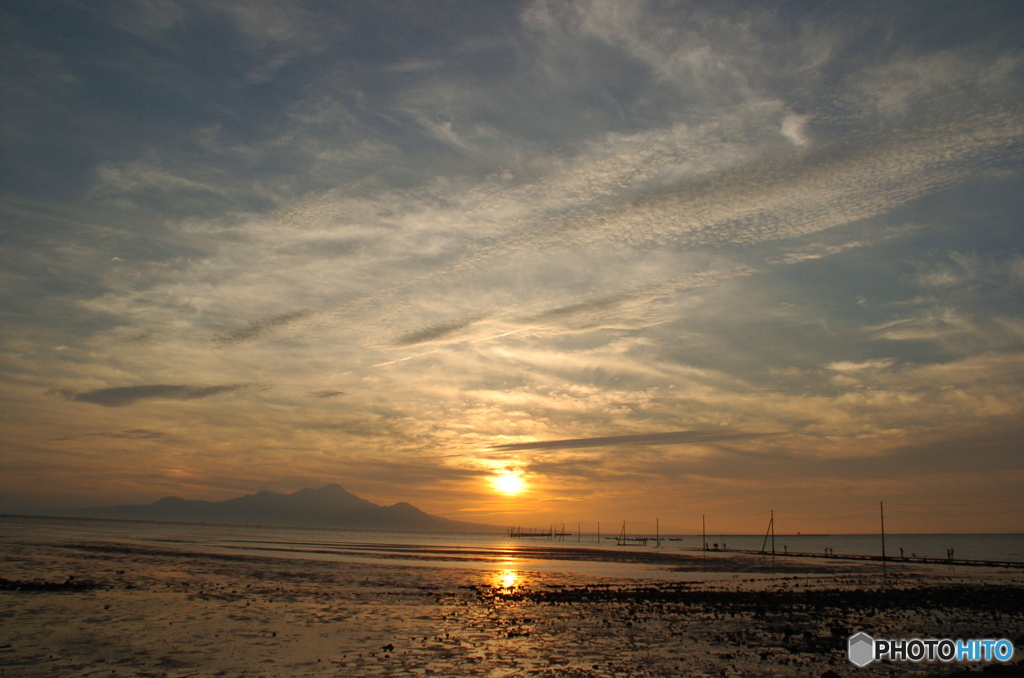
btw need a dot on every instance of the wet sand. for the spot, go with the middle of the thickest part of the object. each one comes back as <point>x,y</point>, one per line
<point>116,609</point>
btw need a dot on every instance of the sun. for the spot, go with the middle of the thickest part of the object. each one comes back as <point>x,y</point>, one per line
<point>509,483</point>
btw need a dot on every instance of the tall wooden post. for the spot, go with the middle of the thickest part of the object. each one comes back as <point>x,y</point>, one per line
<point>881,513</point>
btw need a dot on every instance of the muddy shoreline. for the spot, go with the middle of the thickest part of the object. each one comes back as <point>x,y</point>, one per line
<point>116,609</point>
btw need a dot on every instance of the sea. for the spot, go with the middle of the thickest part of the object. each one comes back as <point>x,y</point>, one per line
<point>577,553</point>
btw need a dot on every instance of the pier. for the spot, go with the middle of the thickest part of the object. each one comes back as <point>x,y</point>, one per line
<point>519,532</point>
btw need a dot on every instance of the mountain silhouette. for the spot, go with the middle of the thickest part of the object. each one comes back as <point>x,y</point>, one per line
<point>327,506</point>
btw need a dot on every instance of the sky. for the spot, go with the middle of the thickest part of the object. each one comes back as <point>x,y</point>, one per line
<point>518,262</point>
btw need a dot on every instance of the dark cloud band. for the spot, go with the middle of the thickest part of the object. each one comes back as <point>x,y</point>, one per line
<point>432,332</point>
<point>327,394</point>
<point>259,327</point>
<point>669,438</point>
<point>120,396</point>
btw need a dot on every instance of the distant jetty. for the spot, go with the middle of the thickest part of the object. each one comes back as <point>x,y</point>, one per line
<point>519,532</point>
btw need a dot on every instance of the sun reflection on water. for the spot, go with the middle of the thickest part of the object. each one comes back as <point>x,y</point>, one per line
<point>505,579</point>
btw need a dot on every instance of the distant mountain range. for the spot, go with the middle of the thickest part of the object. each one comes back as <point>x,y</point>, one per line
<point>327,506</point>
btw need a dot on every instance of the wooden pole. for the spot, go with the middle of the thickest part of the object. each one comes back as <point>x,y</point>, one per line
<point>764,544</point>
<point>881,514</point>
<point>773,533</point>
<point>703,535</point>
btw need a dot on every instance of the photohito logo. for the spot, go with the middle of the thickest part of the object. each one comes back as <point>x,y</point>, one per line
<point>863,649</point>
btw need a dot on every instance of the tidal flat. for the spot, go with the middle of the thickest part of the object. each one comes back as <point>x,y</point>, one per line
<point>110,608</point>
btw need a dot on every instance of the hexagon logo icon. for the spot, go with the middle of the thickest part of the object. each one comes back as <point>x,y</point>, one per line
<point>861,650</point>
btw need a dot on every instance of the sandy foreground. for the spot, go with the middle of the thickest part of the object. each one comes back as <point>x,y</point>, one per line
<point>115,609</point>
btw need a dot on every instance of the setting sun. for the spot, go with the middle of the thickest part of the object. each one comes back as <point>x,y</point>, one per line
<point>509,483</point>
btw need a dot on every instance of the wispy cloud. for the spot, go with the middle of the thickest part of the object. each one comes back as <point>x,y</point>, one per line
<point>128,434</point>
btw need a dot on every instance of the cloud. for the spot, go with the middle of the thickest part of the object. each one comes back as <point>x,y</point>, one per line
<point>327,394</point>
<point>901,85</point>
<point>793,128</point>
<point>932,325</point>
<point>851,366</point>
<point>128,434</point>
<point>433,332</point>
<point>260,327</point>
<point>582,307</point>
<point>970,268</point>
<point>681,187</point>
<point>119,396</point>
<point>670,438</point>
<point>416,65</point>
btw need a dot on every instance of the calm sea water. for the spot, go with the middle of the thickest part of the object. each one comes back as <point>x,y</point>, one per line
<point>486,551</point>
